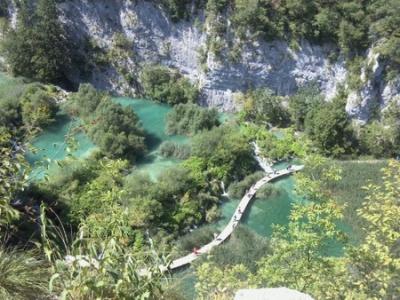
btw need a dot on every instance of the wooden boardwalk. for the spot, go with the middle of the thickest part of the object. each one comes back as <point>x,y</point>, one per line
<point>237,216</point>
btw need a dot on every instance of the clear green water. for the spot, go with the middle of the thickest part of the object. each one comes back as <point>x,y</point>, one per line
<point>152,116</point>
<point>260,217</point>
<point>262,214</point>
<point>51,143</point>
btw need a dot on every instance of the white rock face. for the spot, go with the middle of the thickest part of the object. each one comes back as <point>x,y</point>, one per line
<point>156,39</point>
<point>267,64</point>
<point>375,93</point>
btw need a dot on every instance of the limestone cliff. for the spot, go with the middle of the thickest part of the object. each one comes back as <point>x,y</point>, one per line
<point>154,38</point>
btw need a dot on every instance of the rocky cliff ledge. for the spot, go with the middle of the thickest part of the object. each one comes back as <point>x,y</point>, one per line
<point>155,38</point>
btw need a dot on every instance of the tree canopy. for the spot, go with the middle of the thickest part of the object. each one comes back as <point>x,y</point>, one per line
<point>38,48</point>
<point>166,85</point>
<point>189,119</point>
<point>114,129</point>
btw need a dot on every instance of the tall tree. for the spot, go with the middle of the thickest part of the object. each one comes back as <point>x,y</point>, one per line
<point>38,48</point>
<point>328,126</point>
<point>51,49</point>
<point>17,45</point>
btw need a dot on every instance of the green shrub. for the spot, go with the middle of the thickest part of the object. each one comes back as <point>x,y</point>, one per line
<point>38,107</point>
<point>262,106</point>
<point>237,189</point>
<point>380,140</point>
<point>189,119</point>
<point>4,9</point>
<point>84,102</point>
<point>184,200</point>
<point>328,126</point>
<point>11,91</point>
<point>222,153</point>
<point>302,102</point>
<point>167,85</point>
<point>114,129</point>
<point>177,9</point>
<point>38,48</point>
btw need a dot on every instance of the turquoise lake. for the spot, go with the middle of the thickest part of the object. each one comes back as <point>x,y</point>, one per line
<point>51,144</point>
<point>262,214</point>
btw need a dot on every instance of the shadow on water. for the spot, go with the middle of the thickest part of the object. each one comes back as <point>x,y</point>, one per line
<point>153,141</point>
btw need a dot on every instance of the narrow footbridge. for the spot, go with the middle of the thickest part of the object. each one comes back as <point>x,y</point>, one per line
<point>237,216</point>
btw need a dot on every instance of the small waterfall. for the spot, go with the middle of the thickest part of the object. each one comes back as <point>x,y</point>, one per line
<point>261,160</point>
<point>224,193</point>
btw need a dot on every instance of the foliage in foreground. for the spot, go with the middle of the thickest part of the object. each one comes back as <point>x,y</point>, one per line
<point>346,192</point>
<point>13,178</point>
<point>375,264</point>
<point>103,259</point>
<point>366,271</point>
<point>24,275</point>
<point>104,268</point>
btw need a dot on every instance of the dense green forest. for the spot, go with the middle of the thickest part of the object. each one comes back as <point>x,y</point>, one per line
<point>99,227</point>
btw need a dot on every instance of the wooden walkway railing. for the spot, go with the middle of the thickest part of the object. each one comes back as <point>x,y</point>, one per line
<point>237,216</point>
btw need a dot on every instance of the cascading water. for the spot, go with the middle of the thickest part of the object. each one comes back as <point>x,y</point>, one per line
<point>224,193</point>
<point>263,162</point>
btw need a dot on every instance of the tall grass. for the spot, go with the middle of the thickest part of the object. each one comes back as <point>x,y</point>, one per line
<point>349,191</point>
<point>22,275</point>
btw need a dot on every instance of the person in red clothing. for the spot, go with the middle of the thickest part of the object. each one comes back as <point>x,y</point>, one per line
<point>196,251</point>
